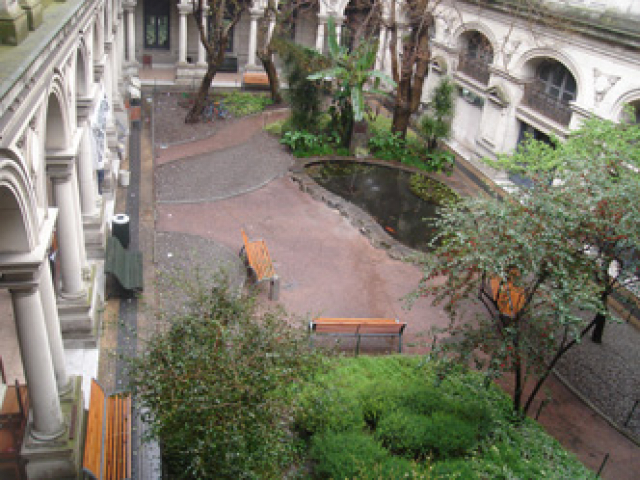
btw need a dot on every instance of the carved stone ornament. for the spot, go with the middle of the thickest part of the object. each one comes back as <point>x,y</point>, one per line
<point>510,47</point>
<point>602,83</point>
<point>21,141</point>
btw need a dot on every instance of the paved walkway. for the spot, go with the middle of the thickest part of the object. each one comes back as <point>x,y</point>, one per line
<point>207,191</point>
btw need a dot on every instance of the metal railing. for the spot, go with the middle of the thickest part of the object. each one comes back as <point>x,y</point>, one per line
<point>474,68</point>
<point>537,99</point>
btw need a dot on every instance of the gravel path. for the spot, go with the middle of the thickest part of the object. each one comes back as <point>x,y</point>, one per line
<point>200,178</point>
<point>607,374</point>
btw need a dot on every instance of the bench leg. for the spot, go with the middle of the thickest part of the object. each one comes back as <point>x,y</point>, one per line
<point>274,289</point>
<point>358,345</point>
<point>400,343</point>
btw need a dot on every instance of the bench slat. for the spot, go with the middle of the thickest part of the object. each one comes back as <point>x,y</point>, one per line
<point>258,259</point>
<point>360,321</point>
<point>359,327</point>
<point>93,438</point>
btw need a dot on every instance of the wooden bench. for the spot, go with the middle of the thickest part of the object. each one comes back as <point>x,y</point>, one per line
<point>256,257</point>
<point>107,446</point>
<point>125,267</point>
<point>358,327</point>
<point>255,80</point>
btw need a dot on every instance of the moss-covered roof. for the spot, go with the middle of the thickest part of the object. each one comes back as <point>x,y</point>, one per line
<point>16,60</point>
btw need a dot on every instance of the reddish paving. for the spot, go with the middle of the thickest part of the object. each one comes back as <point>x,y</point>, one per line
<point>328,268</point>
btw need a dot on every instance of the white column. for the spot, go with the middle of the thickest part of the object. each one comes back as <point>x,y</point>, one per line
<point>131,34</point>
<point>38,368</point>
<point>86,175</point>
<point>253,39</point>
<point>322,22</point>
<point>52,322</point>
<point>202,53</point>
<point>78,216</point>
<point>382,48</point>
<point>339,21</point>
<point>70,262</point>
<point>182,34</point>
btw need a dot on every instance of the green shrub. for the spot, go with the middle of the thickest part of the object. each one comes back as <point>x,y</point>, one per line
<point>241,104</point>
<point>423,399</point>
<point>405,433</point>
<point>326,408</point>
<point>345,455</point>
<point>306,144</point>
<point>458,468</point>
<point>396,468</point>
<point>275,128</point>
<point>379,400</point>
<point>450,436</point>
<point>215,382</point>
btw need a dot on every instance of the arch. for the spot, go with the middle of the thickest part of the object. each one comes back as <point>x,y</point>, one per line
<point>466,28</point>
<point>17,210</point>
<point>525,66</point>
<point>632,97</point>
<point>82,70</point>
<point>57,131</point>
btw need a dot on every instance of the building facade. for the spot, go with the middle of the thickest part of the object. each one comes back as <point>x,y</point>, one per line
<point>59,92</point>
<point>541,72</point>
<point>518,75</point>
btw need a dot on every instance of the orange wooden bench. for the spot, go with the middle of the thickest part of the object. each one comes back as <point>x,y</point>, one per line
<point>256,257</point>
<point>257,80</point>
<point>107,446</point>
<point>358,327</point>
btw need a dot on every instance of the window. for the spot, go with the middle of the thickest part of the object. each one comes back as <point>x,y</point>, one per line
<point>479,48</point>
<point>557,81</point>
<point>156,24</point>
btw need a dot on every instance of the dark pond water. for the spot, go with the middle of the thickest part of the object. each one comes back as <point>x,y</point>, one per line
<point>384,193</point>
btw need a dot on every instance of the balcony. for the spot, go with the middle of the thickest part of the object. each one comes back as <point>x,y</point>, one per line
<point>475,68</point>
<point>537,99</point>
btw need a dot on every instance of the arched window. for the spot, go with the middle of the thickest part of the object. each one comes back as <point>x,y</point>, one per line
<point>476,56</point>
<point>551,90</point>
<point>479,48</point>
<point>556,81</point>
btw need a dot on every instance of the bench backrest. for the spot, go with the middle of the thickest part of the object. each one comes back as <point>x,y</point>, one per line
<point>92,459</point>
<point>355,326</point>
<point>107,450</point>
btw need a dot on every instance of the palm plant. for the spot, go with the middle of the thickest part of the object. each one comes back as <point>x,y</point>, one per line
<point>352,70</point>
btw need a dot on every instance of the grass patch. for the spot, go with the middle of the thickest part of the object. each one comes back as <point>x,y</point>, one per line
<point>391,417</point>
<point>241,104</point>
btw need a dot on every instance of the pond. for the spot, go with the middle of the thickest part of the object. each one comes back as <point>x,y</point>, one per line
<point>384,193</point>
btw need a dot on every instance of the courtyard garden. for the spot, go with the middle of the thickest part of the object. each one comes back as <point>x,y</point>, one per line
<point>233,390</point>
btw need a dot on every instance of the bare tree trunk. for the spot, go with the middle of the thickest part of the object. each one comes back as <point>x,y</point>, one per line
<point>272,74</point>
<point>195,113</point>
<point>413,70</point>
<point>561,351</point>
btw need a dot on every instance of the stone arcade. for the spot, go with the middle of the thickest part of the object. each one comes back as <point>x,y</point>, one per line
<point>61,71</point>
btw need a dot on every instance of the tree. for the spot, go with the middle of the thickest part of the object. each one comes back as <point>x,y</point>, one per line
<point>594,176</point>
<point>213,383</point>
<point>411,69</point>
<point>538,262</point>
<point>215,20</point>
<point>351,69</point>
<point>513,292</point>
<point>276,16</point>
<point>436,123</point>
